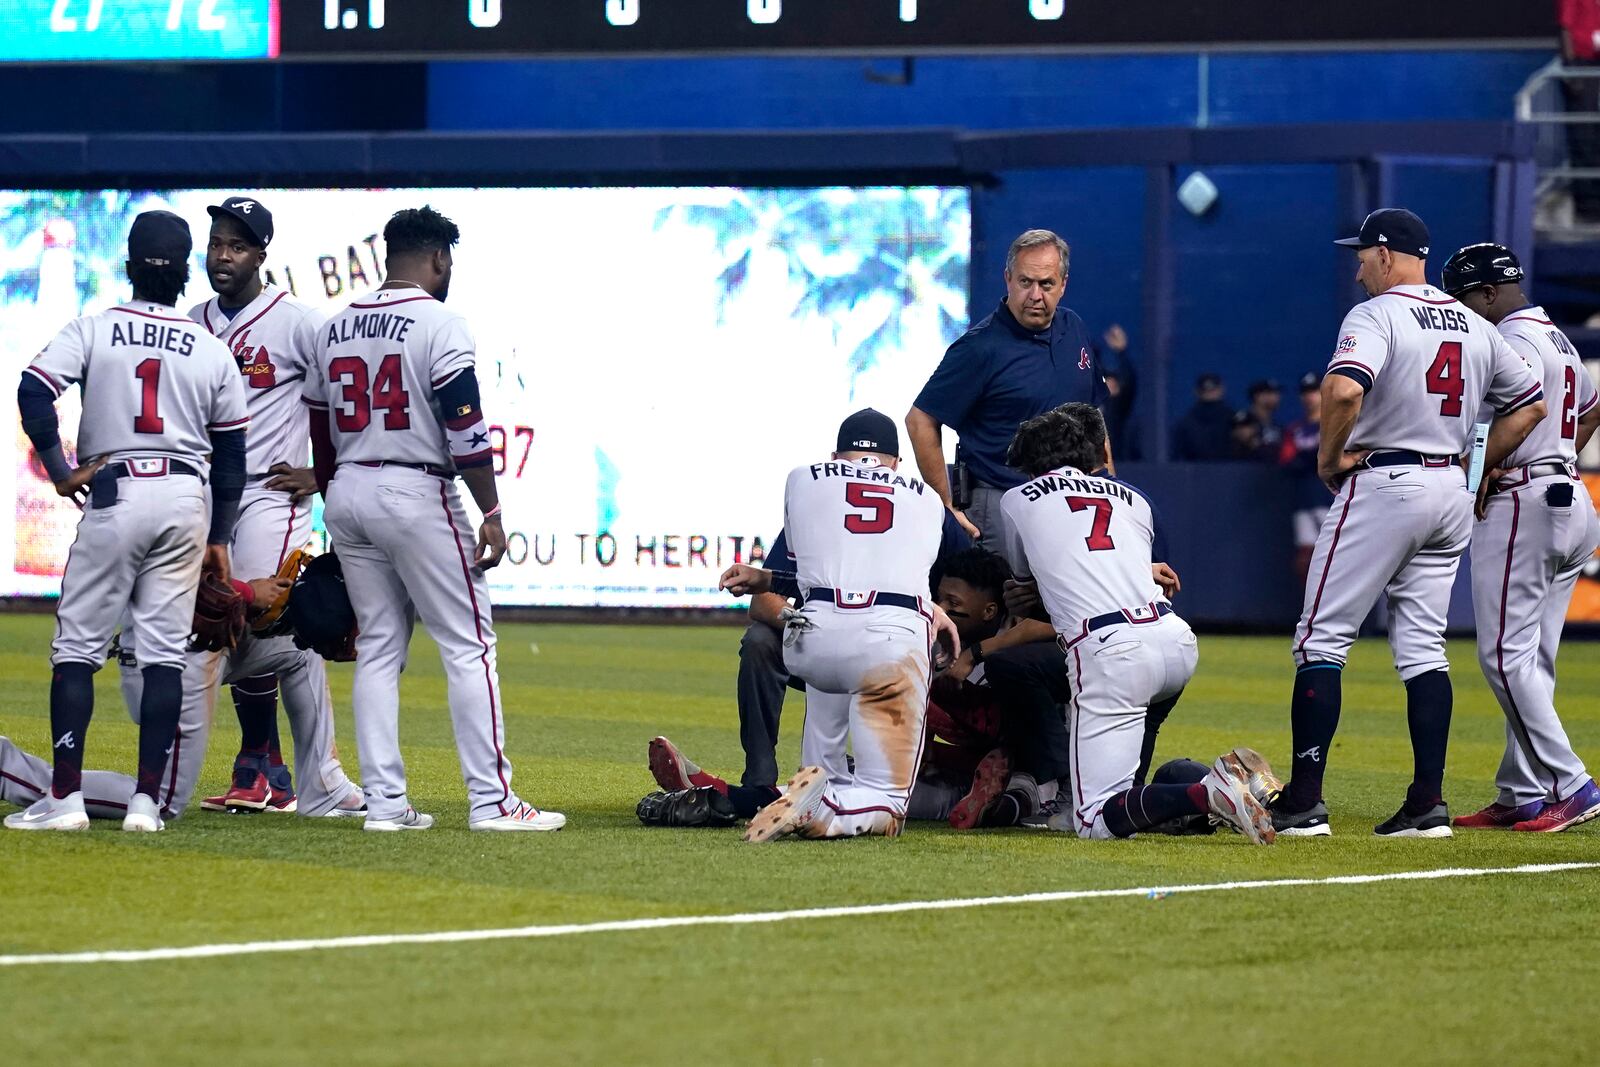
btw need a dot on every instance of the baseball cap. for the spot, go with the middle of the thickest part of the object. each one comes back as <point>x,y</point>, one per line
<point>160,239</point>
<point>1208,381</point>
<point>1265,385</point>
<point>1394,228</point>
<point>1310,381</point>
<point>251,213</point>
<point>869,431</point>
<point>1478,265</point>
<point>1244,418</point>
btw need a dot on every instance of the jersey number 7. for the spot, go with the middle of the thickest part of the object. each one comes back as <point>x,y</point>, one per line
<point>878,500</point>
<point>1099,539</point>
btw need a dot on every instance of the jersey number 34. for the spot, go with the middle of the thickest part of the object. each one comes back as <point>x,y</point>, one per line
<point>362,392</point>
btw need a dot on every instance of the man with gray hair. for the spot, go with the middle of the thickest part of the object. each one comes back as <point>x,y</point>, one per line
<point>1030,356</point>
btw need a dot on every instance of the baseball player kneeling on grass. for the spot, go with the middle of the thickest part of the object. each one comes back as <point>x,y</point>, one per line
<point>160,395</point>
<point>863,537</point>
<point>1536,531</point>
<point>1088,540</point>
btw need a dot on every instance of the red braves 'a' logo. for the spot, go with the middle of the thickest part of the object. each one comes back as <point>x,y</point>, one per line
<point>1083,359</point>
<point>255,363</point>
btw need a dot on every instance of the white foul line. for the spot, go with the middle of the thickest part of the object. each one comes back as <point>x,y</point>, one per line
<point>251,948</point>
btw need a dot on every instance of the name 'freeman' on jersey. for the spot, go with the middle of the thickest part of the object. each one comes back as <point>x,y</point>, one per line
<point>835,469</point>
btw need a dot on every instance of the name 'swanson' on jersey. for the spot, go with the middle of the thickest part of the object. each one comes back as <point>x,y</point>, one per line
<point>1043,486</point>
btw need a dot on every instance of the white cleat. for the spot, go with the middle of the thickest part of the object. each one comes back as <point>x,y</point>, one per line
<point>49,813</point>
<point>1264,785</point>
<point>525,817</point>
<point>1229,798</point>
<point>144,815</point>
<point>796,809</point>
<point>410,820</point>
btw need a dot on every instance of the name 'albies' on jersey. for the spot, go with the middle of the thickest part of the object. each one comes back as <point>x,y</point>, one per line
<point>377,364</point>
<point>861,529</point>
<point>1088,542</point>
<point>1427,364</point>
<point>272,338</point>
<point>153,383</point>
<point>1568,390</point>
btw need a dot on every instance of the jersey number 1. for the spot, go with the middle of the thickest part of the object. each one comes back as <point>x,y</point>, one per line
<point>387,393</point>
<point>878,500</point>
<point>1444,378</point>
<point>149,418</point>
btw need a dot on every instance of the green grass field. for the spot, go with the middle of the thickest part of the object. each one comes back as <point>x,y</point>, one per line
<point>1461,970</point>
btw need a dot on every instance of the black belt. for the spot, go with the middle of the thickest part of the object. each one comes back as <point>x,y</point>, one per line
<point>120,469</point>
<point>1517,477</point>
<point>1124,617</point>
<point>426,468</point>
<point>1394,457</point>
<point>873,599</point>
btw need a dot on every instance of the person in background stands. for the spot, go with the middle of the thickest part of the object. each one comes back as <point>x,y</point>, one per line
<point>1203,435</point>
<point>1298,455</point>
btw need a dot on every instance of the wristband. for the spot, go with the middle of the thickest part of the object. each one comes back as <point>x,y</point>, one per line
<point>492,513</point>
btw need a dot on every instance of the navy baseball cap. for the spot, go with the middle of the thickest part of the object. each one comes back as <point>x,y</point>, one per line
<point>1478,265</point>
<point>869,431</point>
<point>160,239</point>
<point>1393,228</point>
<point>1310,382</point>
<point>251,213</point>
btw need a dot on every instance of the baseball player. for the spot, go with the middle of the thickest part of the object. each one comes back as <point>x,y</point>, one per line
<point>1533,537</point>
<point>1088,541</point>
<point>159,395</point>
<point>1409,372</point>
<point>395,408</point>
<point>271,336</point>
<point>863,537</point>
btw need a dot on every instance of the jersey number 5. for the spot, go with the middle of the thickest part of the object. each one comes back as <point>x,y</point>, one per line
<point>878,500</point>
<point>1444,378</point>
<point>387,393</point>
<point>1099,539</point>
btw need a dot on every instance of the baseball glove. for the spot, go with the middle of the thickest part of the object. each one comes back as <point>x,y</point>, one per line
<point>272,618</point>
<point>687,807</point>
<point>218,616</point>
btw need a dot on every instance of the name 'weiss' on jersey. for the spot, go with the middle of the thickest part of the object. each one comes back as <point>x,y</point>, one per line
<point>861,529</point>
<point>1087,540</point>
<point>272,339</point>
<point>377,365</point>
<point>1427,364</point>
<point>153,383</point>
<point>1569,392</point>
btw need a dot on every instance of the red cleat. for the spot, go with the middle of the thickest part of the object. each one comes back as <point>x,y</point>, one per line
<point>674,772</point>
<point>250,790</point>
<point>988,782</point>
<point>1498,816</point>
<point>1576,810</point>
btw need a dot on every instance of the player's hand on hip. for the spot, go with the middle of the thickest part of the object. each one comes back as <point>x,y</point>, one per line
<point>1486,484</point>
<point>966,524</point>
<point>741,579</point>
<point>947,642</point>
<point>217,562</point>
<point>1333,477</point>
<point>491,544</point>
<point>298,482</point>
<point>76,485</point>
<point>1166,578</point>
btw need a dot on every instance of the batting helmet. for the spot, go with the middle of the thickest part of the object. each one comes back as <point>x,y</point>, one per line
<point>1479,265</point>
<point>320,610</point>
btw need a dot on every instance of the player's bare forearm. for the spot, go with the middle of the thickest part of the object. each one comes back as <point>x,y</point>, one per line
<point>925,432</point>
<point>1341,406</point>
<point>480,483</point>
<point>1025,632</point>
<point>492,534</point>
<point>1509,431</point>
<point>767,609</point>
<point>1586,428</point>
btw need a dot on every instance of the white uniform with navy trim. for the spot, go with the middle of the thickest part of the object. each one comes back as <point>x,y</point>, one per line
<point>1539,531</point>
<point>154,386</point>
<point>1428,364</point>
<point>1087,541</point>
<point>861,537</point>
<point>404,537</point>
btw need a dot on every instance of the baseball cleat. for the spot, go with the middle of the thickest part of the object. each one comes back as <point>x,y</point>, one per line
<point>524,817</point>
<point>1018,802</point>
<point>1577,809</point>
<point>988,782</point>
<point>674,772</point>
<point>1228,797</point>
<point>51,813</point>
<point>1264,785</point>
<point>249,791</point>
<point>339,811</point>
<point>1045,812</point>
<point>410,819</point>
<point>144,816</point>
<point>1499,816</point>
<point>1435,822</point>
<point>704,806</point>
<point>282,796</point>
<point>1312,822</point>
<point>795,810</point>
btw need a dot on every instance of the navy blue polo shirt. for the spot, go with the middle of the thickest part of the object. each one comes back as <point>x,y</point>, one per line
<point>1000,374</point>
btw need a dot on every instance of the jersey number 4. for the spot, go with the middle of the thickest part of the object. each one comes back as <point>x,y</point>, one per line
<point>1444,378</point>
<point>1099,539</point>
<point>385,391</point>
<point>878,503</point>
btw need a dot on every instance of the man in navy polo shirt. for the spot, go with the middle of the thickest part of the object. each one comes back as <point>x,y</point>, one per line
<point>1029,357</point>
